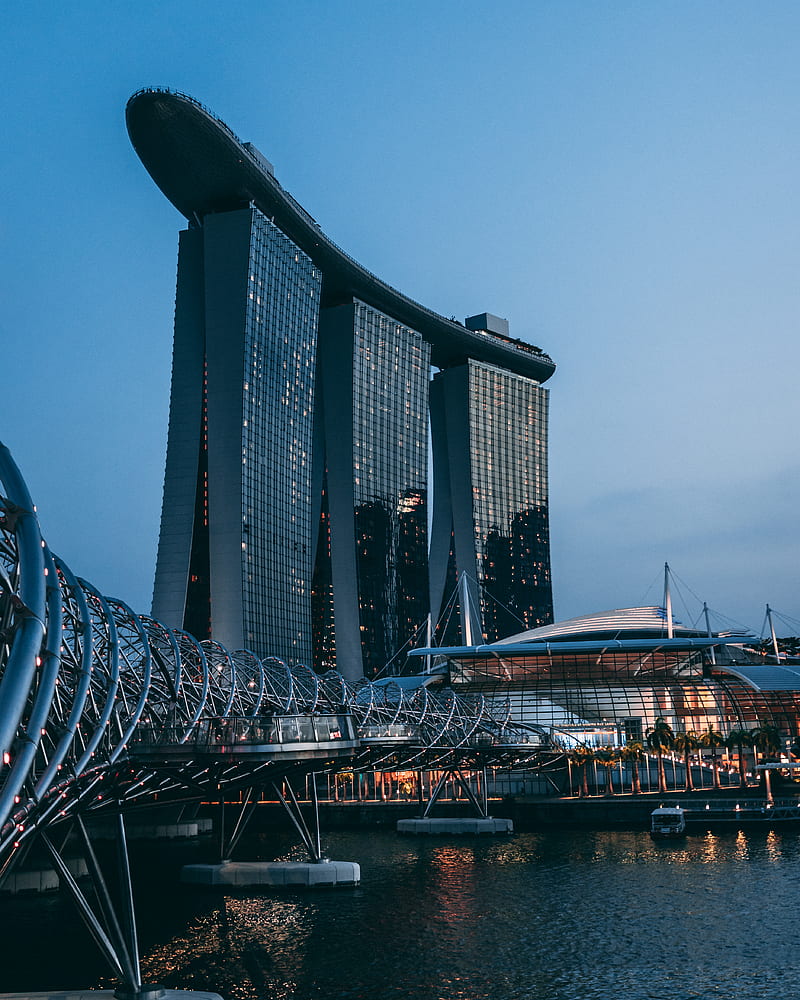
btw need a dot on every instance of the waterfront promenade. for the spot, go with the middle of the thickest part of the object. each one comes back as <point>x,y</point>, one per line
<point>529,813</point>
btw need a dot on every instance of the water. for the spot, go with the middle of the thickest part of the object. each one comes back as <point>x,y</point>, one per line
<point>551,916</point>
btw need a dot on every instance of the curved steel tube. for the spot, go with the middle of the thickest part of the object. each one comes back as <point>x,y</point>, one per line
<point>81,675</point>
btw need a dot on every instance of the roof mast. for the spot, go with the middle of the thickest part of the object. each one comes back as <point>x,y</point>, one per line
<point>668,602</point>
<point>773,636</point>
<point>708,630</point>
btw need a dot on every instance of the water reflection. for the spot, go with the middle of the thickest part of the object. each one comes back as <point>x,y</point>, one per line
<point>253,944</point>
<point>710,852</point>
<point>773,846</point>
<point>742,852</point>
<point>556,916</point>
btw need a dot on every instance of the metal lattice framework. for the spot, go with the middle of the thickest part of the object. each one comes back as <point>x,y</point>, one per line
<point>81,675</point>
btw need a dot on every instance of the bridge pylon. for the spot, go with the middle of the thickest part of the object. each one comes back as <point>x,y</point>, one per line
<point>480,822</point>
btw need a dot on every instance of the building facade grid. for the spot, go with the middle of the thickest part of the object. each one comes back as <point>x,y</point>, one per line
<point>277,423</point>
<point>508,428</point>
<point>391,366</point>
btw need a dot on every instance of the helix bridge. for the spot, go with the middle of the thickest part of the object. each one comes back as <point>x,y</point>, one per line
<point>102,708</point>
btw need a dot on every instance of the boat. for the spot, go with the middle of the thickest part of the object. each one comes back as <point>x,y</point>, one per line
<point>667,823</point>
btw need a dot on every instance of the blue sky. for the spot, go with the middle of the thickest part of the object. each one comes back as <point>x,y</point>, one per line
<point>619,180</point>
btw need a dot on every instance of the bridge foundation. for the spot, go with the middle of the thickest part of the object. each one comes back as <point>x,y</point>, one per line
<point>36,880</point>
<point>274,874</point>
<point>467,826</point>
<point>318,872</point>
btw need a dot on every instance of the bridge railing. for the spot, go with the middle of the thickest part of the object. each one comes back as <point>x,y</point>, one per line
<point>215,734</point>
<point>389,732</point>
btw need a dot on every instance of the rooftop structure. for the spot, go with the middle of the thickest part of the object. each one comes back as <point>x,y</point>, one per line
<point>202,167</point>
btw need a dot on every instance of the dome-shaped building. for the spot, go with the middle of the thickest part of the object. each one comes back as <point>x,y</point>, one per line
<point>604,679</point>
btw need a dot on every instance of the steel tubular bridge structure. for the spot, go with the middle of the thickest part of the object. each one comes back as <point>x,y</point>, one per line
<point>103,708</point>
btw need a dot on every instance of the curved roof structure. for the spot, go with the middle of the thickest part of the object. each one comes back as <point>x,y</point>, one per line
<point>765,676</point>
<point>621,623</point>
<point>623,629</point>
<point>202,167</point>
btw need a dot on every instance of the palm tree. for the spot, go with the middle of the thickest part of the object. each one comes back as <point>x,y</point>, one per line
<point>766,738</point>
<point>685,743</point>
<point>633,755</point>
<point>580,756</point>
<point>660,738</point>
<point>608,757</point>
<point>713,739</point>
<point>738,739</point>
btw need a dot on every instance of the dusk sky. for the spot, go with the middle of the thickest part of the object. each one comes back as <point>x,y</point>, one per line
<point>619,180</point>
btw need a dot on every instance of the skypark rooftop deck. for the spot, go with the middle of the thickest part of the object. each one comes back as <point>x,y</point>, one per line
<point>202,167</point>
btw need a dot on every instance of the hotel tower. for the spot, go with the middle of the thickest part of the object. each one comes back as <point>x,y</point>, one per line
<point>309,400</point>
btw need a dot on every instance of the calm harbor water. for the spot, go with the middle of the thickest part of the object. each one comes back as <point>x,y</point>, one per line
<point>552,916</point>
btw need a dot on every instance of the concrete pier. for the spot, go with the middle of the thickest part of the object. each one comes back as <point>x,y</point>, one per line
<point>448,826</point>
<point>186,830</point>
<point>35,880</point>
<point>293,874</point>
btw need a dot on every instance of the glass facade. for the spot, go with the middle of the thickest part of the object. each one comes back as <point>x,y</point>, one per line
<point>304,535</point>
<point>508,457</point>
<point>391,366</point>
<point>277,416</point>
<point>340,578</point>
<point>626,689</point>
<point>197,617</point>
<point>235,552</point>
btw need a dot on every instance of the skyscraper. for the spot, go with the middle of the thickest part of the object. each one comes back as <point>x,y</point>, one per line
<point>295,516</point>
<point>491,499</point>
<point>374,375</point>
<point>235,557</point>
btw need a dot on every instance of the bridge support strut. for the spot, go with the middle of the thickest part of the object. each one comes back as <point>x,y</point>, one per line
<point>246,812</point>
<point>480,823</point>
<point>311,839</point>
<point>481,805</point>
<point>112,927</point>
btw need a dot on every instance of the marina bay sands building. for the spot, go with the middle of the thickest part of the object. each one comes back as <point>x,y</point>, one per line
<point>308,401</point>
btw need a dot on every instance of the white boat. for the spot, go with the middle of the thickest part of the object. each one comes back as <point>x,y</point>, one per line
<point>667,822</point>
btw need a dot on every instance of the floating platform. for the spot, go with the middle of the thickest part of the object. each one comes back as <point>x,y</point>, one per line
<point>36,880</point>
<point>154,831</point>
<point>466,827</point>
<point>292,874</point>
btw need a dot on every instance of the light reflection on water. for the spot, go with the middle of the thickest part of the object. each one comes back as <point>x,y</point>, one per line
<point>556,916</point>
<point>227,943</point>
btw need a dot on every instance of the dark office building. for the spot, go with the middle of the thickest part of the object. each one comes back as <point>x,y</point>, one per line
<point>235,557</point>
<point>374,376</point>
<point>295,517</point>
<point>490,496</point>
